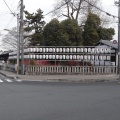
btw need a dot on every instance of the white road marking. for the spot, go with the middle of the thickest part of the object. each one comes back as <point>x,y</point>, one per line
<point>35,80</point>
<point>8,80</point>
<point>18,80</point>
<point>1,80</point>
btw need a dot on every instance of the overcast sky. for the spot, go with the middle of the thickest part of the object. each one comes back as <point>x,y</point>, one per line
<point>7,21</point>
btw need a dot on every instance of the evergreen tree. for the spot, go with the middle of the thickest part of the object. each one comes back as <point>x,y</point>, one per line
<point>106,33</point>
<point>65,33</point>
<point>90,34</point>
<point>73,30</point>
<point>93,32</point>
<point>53,34</point>
<point>35,24</point>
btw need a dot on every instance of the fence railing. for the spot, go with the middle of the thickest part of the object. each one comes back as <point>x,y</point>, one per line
<point>37,70</point>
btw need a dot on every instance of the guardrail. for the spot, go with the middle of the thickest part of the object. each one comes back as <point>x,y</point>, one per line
<point>38,70</point>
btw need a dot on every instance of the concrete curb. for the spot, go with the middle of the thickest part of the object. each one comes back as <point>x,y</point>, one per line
<point>82,80</point>
<point>11,77</point>
<point>73,81</point>
<point>65,80</point>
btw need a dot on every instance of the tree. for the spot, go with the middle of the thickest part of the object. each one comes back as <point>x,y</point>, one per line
<point>73,9</point>
<point>106,33</point>
<point>9,41</point>
<point>73,30</point>
<point>93,31</point>
<point>65,33</point>
<point>35,24</point>
<point>54,35</point>
<point>90,34</point>
<point>79,9</point>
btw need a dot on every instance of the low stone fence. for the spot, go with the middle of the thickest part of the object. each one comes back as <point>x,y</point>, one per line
<point>38,70</point>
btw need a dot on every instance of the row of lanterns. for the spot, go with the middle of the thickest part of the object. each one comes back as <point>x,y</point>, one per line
<point>64,57</point>
<point>65,50</point>
<point>71,50</point>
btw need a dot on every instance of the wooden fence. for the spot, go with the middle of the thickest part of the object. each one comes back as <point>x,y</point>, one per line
<point>38,70</point>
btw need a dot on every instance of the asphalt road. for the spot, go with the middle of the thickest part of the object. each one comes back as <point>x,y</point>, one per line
<point>59,101</point>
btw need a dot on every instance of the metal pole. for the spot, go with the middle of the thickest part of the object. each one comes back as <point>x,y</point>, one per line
<point>22,38</point>
<point>55,55</point>
<point>18,45</point>
<point>119,39</point>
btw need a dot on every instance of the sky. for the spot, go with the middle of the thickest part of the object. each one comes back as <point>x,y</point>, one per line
<point>7,20</point>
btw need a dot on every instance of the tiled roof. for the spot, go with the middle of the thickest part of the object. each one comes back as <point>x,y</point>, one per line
<point>5,52</point>
<point>109,43</point>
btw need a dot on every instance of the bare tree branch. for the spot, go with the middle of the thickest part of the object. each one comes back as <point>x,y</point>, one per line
<point>9,41</point>
<point>75,9</point>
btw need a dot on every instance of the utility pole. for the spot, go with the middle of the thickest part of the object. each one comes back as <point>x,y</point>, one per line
<point>118,4</point>
<point>119,39</point>
<point>22,37</point>
<point>18,44</point>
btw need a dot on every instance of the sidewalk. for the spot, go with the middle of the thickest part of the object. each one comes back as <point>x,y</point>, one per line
<point>62,78</point>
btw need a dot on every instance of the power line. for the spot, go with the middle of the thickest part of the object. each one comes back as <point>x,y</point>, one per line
<point>101,10</point>
<point>9,8</point>
<point>56,9</point>
<point>89,4</point>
